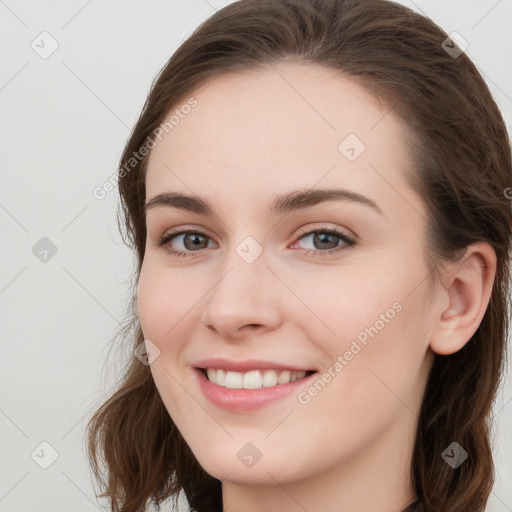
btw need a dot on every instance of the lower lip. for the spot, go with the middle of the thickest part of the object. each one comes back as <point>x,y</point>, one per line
<point>246,400</point>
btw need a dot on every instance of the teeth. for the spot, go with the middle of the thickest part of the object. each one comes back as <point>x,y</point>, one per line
<point>269,379</point>
<point>254,379</point>
<point>284,377</point>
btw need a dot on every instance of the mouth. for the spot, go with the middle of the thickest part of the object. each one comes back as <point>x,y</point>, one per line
<point>253,379</point>
<point>245,392</point>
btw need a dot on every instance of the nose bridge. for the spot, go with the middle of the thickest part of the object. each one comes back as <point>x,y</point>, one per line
<point>243,292</point>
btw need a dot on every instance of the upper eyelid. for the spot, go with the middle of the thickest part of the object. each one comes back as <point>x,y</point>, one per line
<point>302,233</point>
<point>326,227</point>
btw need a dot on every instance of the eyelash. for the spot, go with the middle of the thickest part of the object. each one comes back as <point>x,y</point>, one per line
<point>166,239</point>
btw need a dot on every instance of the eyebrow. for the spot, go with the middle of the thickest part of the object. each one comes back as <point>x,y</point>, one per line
<point>281,204</point>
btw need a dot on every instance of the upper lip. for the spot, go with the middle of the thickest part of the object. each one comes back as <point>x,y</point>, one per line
<point>248,365</point>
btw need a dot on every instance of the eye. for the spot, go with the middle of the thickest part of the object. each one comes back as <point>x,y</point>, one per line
<point>325,240</point>
<point>192,239</point>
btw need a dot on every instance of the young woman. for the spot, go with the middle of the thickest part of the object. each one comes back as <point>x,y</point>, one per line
<point>316,191</point>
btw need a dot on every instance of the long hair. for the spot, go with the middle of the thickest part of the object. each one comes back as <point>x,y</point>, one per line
<point>462,171</point>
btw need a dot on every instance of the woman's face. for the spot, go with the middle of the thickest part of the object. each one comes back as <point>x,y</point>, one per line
<point>265,283</point>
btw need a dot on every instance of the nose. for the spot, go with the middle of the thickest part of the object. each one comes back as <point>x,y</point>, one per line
<point>244,300</point>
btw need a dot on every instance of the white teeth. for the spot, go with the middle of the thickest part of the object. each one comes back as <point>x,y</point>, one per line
<point>253,379</point>
<point>234,380</point>
<point>284,377</point>
<point>220,377</point>
<point>269,379</point>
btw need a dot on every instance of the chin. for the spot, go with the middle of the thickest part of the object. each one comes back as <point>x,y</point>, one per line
<point>263,472</point>
<point>244,476</point>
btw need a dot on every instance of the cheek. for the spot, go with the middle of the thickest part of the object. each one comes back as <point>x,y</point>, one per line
<point>384,337</point>
<point>166,301</point>
<point>372,375</point>
<point>152,301</point>
<point>162,306</point>
<point>347,299</point>
<point>372,314</point>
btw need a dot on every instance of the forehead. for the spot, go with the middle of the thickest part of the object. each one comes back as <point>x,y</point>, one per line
<point>279,126</point>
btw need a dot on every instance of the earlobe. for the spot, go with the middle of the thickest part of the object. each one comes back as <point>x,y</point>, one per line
<point>468,290</point>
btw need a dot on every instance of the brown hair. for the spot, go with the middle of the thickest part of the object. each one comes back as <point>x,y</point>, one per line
<point>463,168</point>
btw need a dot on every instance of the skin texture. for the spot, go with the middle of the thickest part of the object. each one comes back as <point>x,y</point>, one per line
<point>270,131</point>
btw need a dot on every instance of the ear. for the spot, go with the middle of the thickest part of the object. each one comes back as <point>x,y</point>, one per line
<point>467,287</point>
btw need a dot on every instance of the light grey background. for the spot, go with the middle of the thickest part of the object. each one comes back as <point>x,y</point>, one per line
<point>64,120</point>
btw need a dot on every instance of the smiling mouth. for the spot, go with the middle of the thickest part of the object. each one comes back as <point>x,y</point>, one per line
<point>253,379</point>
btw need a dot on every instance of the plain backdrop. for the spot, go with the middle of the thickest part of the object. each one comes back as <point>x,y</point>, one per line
<point>64,280</point>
